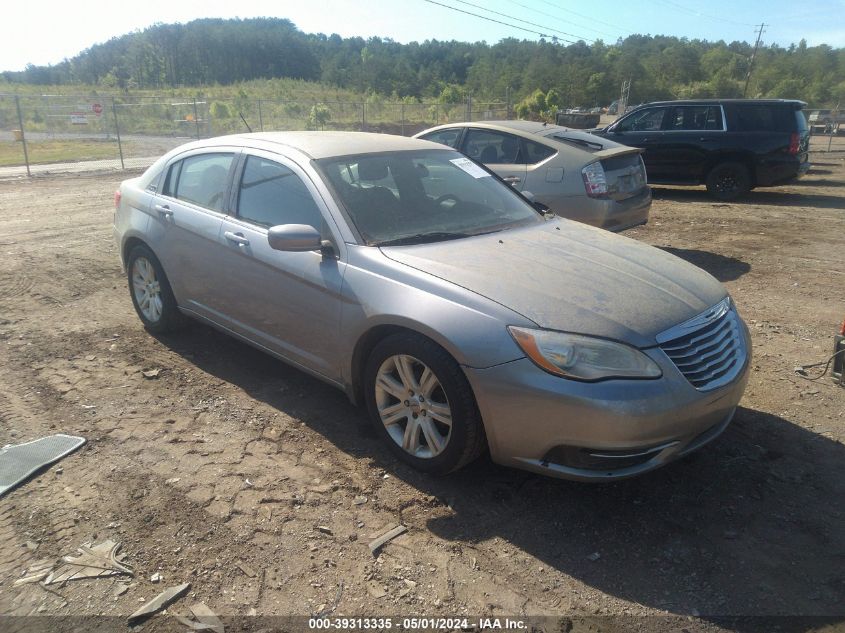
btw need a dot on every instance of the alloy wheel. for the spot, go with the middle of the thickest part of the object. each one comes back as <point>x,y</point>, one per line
<point>413,406</point>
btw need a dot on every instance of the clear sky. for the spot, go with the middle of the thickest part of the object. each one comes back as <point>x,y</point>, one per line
<point>48,31</point>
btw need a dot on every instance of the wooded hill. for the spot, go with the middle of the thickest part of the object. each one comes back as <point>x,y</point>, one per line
<point>215,51</point>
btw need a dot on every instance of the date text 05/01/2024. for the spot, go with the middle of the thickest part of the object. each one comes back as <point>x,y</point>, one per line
<point>414,623</point>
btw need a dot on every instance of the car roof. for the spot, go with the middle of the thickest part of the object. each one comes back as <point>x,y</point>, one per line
<point>792,102</point>
<point>526,127</point>
<point>319,145</point>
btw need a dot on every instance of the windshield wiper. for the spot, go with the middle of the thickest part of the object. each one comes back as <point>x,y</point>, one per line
<point>422,238</point>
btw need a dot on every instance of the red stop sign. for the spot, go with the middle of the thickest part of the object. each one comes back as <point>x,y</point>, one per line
<point>97,108</point>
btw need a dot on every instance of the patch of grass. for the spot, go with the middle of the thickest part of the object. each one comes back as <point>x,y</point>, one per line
<point>58,151</point>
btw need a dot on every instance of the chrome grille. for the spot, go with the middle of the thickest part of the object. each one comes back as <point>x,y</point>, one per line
<point>709,350</point>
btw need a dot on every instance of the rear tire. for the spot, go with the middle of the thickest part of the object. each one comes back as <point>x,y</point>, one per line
<point>728,181</point>
<point>150,291</point>
<point>422,405</point>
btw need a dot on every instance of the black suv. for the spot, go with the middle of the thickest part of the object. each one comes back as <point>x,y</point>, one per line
<point>730,145</point>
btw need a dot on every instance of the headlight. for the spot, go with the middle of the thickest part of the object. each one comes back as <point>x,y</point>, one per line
<point>583,357</point>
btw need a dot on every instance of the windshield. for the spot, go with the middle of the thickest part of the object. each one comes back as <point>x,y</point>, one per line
<point>423,196</point>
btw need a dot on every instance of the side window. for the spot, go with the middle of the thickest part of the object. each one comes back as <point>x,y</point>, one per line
<point>271,194</point>
<point>695,118</point>
<point>536,152</point>
<point>756,118</point>
<point>493,148</point>
<point>647,120</point>
<point>444,137</point>
<point>201,179</point>
<point>169,188</point>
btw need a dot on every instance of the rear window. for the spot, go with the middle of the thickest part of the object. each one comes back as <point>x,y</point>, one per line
<point>801,121</point>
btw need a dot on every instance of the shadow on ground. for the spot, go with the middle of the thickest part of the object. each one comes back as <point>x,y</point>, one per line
<point>752,525</point>
<point>773,197</point>
<point>721,267</point>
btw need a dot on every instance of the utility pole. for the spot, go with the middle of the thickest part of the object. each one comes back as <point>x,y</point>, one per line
<point>753,55</point>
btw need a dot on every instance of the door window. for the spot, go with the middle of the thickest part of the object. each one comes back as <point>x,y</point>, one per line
<point>493,148</point>
<point>647,120</point>
<point>271,194</point>
<point>695,118</point>
<point>201,179</point>
<point>536,152</point>
<point>448,137</point>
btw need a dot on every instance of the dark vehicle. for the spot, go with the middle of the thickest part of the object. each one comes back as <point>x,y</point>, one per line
<point>730,145</point>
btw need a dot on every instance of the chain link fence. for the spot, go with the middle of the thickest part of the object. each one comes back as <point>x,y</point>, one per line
<point>63,134</point>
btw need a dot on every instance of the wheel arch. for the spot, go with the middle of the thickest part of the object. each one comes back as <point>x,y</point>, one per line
<point>744,158</point>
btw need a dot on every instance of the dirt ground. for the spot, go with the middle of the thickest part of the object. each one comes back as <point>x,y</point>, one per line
<point>262,486</point>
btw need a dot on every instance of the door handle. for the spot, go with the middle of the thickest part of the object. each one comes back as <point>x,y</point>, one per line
<point>237,238</point>
<point>164,211</point>
<point>511,179</point>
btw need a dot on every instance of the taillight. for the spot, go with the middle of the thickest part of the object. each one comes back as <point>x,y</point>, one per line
<point>794,143</point>
<point>595,182</point>
<point>117,199</point>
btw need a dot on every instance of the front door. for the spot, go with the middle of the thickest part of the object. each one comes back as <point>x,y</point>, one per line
<point>286,301</point>
<point>644,128</point>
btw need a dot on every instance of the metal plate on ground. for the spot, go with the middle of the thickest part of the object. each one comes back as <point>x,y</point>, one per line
<point>20,461</point>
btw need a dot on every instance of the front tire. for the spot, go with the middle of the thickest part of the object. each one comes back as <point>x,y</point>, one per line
<point>728,181</point>
<point>421,403</point>
<point>150,291</point>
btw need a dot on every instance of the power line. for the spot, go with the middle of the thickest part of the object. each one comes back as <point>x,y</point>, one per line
<point>523,21</point>
<point>484,17</point>
<point>549,15</point>
<point>586,17</point>
<point>698,13</point>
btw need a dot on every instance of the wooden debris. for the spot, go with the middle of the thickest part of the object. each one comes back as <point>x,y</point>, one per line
<point>376,544</point>
<point>160,602</point>
<point>99,561</point>
<point>249,571</point>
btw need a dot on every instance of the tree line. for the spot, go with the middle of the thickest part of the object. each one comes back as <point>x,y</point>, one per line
<point>216,51</point>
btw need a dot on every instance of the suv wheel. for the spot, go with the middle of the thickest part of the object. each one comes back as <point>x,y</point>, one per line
<point>727,181</point>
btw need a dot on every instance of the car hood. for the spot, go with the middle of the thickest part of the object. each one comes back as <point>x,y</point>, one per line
<point>570,277</point>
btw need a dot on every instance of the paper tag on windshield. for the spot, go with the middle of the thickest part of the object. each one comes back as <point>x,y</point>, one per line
<point>469,167</point>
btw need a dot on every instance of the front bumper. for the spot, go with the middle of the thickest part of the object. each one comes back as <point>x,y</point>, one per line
<point>598,431</point>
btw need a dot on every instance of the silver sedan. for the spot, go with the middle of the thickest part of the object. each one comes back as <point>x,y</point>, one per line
<point>462,317</point>
<point>574,173</point>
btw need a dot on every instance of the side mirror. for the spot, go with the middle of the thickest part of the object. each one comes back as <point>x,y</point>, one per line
<point>294,238</point>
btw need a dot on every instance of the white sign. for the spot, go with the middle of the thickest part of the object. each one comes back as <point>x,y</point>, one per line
<point>78,118</point>
<point>469,167</point>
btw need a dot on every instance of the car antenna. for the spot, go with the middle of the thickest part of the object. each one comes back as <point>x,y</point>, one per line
<point>240,114</point>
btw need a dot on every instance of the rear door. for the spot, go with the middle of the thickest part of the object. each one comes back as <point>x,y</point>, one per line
<point>286,301</point>
<point>692,135</point>
<point>500,151</point>
<point>186,217</point>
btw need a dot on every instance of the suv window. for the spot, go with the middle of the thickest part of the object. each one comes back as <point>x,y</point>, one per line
<point>271,194</point>
<point>493,148</point>
<point>759,118</point>
<point>445,137</point>
<point>646,120</point>
<point>695,118</point>
<point>200,179</point>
